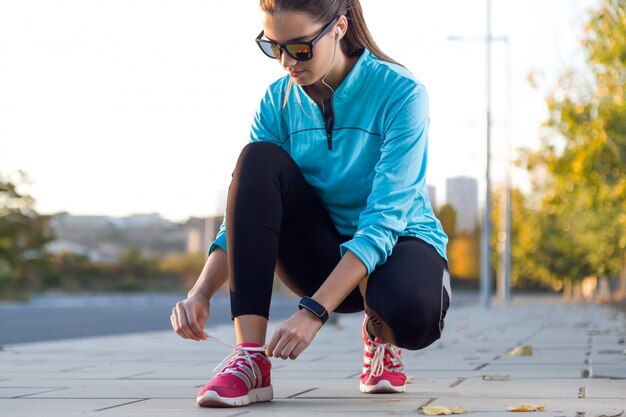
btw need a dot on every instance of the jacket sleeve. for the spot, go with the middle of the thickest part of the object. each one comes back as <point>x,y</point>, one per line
<point>220,238</point>
<point>399,175</point>
<point>268,126</point>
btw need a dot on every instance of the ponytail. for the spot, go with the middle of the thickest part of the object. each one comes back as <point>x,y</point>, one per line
<point>358,35</point>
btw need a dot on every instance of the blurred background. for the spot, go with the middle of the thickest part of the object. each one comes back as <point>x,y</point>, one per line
<point>121,122</point>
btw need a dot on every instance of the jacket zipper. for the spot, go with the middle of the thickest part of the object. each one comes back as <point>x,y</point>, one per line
<point>329,119</point>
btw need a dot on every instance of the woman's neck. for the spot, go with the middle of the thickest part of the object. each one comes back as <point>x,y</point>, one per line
<point>342,67</point>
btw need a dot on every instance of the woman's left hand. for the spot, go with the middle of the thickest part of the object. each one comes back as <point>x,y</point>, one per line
<point>293,336</point>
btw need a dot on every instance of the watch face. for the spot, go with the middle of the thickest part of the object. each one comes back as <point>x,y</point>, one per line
<point>312,306</point>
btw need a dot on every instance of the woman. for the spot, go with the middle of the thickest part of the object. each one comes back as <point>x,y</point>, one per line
<point>331,193</point>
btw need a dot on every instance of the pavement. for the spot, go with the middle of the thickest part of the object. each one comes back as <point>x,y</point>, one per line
<point>577,368</point>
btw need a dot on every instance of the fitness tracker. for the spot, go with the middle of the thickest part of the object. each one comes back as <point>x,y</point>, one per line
<point>314,307</point>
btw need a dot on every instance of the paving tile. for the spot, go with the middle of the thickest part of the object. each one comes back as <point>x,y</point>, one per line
<point>553,407</point>
<point>158,374</point>
<point>617,370</point>
<point>18,391</point>
<point>306,406</point>
<point>538,371</point>
<point>45,407</point>
<point>521,388</point>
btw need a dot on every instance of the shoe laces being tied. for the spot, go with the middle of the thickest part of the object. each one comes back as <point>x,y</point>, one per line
<point>241,364</point>
<point>384,352</point>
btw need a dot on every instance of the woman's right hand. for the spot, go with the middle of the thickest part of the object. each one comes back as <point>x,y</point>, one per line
<point>189,315</point>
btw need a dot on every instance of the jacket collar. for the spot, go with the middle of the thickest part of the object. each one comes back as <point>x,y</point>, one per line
<point>353,80</point>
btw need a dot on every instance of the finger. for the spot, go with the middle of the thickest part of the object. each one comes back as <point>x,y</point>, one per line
<point>280,345</point>
<point>175,325</point>
<point>182,322</point>
<point>187,325</point>
<point>298,349</point>
<point>287,338</point>
<point>286,352</point>
<point>271,346</point>
<point>173,321</point>
<point>194,327</point>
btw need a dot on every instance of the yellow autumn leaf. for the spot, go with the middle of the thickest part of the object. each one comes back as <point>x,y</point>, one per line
<point>526,408</point>
<point>521,351</point>
<point>438,410</point>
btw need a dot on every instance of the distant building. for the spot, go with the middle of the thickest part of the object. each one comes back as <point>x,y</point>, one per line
<point>142,220</point>
<point>432,195</point>
<point>66,220</point>
<point>462,195</point>
<point>106,238</point>
<point>201,232</point>
<point>98,254</point>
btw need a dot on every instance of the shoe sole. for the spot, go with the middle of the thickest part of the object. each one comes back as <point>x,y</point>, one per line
<point>382,387</point>
<point>213,399</point>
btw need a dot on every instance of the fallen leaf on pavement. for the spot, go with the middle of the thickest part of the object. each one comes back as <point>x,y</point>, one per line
<point>437,410</point>
<point>526,408</point>
<point>521,351</point>
<point>496,377</point>
<point>409,379</point>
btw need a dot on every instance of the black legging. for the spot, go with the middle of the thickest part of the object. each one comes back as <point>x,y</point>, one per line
<point>274,220</point>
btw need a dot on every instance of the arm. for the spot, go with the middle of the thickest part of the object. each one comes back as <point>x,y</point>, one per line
<point>400,176</point>
<point>213,275</point>
<point>348,273</point>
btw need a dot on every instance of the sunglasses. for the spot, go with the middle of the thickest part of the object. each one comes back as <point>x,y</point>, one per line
<point>300,51</point>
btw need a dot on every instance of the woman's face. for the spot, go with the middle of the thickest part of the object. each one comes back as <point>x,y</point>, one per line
<point>299,26</point>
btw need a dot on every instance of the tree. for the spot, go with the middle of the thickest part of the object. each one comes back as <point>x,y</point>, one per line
<point>447,216</point>
<point>23,236</point>
<point>580,169</point>
<point>527,260</point>
<point>186,267</point>
<point>464,255</point>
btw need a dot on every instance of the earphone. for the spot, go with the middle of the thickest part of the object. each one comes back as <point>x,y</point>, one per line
<point>298,99</point>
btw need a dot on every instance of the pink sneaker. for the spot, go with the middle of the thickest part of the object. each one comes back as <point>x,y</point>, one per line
<point>245,380</point>
<point>383,370</point>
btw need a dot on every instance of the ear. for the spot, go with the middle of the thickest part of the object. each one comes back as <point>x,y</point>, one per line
<point>342,27</point>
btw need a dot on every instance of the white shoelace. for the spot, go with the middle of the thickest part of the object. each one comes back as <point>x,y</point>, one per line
<point>240,351</point>
<point>377,365</point>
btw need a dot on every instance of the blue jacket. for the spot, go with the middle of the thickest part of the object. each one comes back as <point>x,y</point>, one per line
<point>365,157</point>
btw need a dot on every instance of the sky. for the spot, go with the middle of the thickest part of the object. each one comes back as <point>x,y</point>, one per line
<point>133,106</point>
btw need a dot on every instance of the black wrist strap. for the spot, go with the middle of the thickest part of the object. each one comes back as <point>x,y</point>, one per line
<point>314,307</point>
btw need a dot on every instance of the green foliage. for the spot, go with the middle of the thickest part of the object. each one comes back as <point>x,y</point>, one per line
<point>580,170</point>
<point>186,267</point>
<point>133,271</point>
<point>464,255</point>
<point>23,236</point>
<point>447,216</point>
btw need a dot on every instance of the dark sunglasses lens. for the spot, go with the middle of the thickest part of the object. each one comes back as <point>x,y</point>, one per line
<point>299,51</point>
<point>270,49</point>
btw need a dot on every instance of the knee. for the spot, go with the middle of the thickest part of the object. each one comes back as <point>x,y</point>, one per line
<point>418,326</point>
<point>255,152</point>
